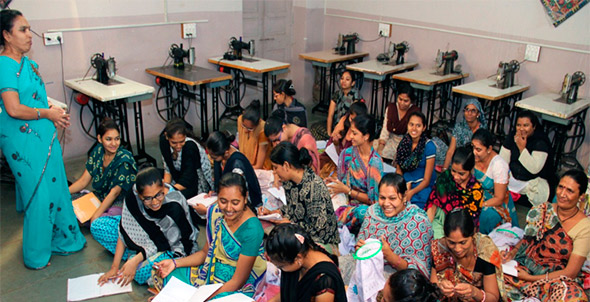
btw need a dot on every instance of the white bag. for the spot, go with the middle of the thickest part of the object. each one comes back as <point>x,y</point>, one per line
<point>367,279</point>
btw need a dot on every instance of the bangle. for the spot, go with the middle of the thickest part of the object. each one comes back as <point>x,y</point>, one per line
<point>483,293</point>
<point>174,261</point>
<point>547,275</point>
<point>38,113</point>
<point>350,192</point>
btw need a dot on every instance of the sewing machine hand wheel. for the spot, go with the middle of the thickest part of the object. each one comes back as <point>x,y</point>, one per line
<point>581,75</point>
<point>407,45</point>
<point>515,65</point>
<point>232,40</point>
<point>171,50</point>
<point>93,59</point>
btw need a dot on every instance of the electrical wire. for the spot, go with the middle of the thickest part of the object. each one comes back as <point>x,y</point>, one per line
<point>371,40</point>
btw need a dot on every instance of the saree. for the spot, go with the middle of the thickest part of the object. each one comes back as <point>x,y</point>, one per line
<point>222,256</point>
<point>409,234</point>
<point>546,247</point>
<point>447,268</point>
<point>120,172</point>
<point>34,155</point>
<point>322,277</point>
<point>354,173</point>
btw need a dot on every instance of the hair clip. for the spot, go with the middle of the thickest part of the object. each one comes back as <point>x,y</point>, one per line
<point>238,171</point>
<point>291,86</point>
<point>300,238</point>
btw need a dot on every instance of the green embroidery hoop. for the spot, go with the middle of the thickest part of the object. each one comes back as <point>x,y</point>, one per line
<point>367,251</point>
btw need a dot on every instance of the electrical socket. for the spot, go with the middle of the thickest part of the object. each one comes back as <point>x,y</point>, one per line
<point>188,30</point>
<point>53,38</point>
<point>385,30</point>
<point>532,53</point>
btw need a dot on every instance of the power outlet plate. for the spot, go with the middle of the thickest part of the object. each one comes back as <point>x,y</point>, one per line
<point>188,30</point>
<point>385,30</point>
<point>532,53</point>
<point>53,38</point>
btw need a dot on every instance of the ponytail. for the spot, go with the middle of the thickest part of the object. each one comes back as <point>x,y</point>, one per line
<point>287,152</point>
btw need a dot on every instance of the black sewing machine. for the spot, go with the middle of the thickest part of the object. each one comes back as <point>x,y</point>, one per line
<point>505,74</point>
<point>178,54</point>
<point>447,58</point>
<point>236,46</point>
<point>401,49</point>
<point>105,69</point>
<point>571,83</point>
<point>346,44</point>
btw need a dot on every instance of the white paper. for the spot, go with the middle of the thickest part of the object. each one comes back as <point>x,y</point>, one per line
<point>201,199</point>
<point>339,200</point>
<point>515,185</point>
<point>270,217</point>
<point>333,154</point>
<point>237,297</point>
<point>86,287</point>
<point>321,144</point>
<point>279,193</point>
<point>178,291</point>
<point>509,268</point>
<point>387,168</point>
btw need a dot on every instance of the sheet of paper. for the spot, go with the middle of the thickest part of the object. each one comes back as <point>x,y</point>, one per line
<point>516,185</point>
<point>279,193</point>
<point>509,268</point>
<point>203,292</point>
<point>86,287</point>
<point>237,297</point>
<point>321,144</point>
<point>178,291</point>
<point>387,168</point>
<point>339,200</point>
<point>331,151</point>
<point>270,217</point>
<point>201,199</point>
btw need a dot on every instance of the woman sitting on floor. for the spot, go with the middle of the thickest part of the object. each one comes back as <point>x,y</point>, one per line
<point>186,165</point>
<point>455,188</point>
<point>110,168</point>
<point>308,273</point>
<point>492,173</point>
<point>555,245</point>
<point>410,285</point>
<point>415,160</point>
<point>308,201</point>
<point>467,266</point>
<point>156,224</point>
<point>252,141</point>
<point>292,111</point>
<point>359,173</point>
<point>234,249</point>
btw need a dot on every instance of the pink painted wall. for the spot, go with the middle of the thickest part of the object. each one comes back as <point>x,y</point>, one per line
<point>478,56</point>
<point>134,50</point>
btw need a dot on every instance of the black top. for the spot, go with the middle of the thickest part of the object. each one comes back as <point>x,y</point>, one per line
<point>484,267</point>
<point>537,142</point>
<point>240,161</point>
<point>294,114</point>
<point>187,176</point>
<point>322,277</point>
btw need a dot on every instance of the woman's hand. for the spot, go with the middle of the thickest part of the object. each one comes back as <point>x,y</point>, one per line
<point>386,248</point>
<point>358,244</point>
<point>508,255</point>
<point>211,193</point>
<point>59,117</point>
<point>337,187</point>
<point>112,274</point>
<point>520,141</point>
<point>523,274</point>
<point>466,291</point>
<point>200,209</point>
<point>410,194</point>
<point>127,272</point>
<point>165,267</point>
<point>446,287</point>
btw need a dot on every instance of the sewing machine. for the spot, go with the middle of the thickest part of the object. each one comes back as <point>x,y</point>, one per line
<point>505,74</point>
<point>105,69</point>
<point>236,46</point>
<point>571,83</point>
<point>447,59</point>
<point>178,54</point>
<point>401,49</point>
<point>346,43</point>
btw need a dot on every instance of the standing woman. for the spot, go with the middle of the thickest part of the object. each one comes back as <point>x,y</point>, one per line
<point>492,173</point>
<point>308,273</point>
<point>28,139</point>
<point>110,168</point>
<point>359,173</point>
<point>395,122</point>
<point>227,159</point>
<point>252,141</point>
<point>186,165</point>
<point>308,201</point>
<point>293,111</point>
<point>415,160</point>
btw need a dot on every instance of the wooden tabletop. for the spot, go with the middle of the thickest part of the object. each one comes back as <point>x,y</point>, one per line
<point>329,56</point>
<point>546,103</point>
<point>428,77</point>
<point>260,65</point>
<point>376,67</point>
<point>486,89</point>
<point>190,75</point>
<point>120,89</point>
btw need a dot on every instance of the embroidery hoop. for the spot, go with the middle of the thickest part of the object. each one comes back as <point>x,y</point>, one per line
<point>371,248</point>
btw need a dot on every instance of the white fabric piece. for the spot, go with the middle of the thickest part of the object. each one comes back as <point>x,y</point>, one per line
<point>498,170</point>
<point>367,280</point>
<point>347,241</point>
<point>506,235</point>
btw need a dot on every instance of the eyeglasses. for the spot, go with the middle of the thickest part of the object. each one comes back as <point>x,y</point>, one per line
<point>470,110</point>
<point>278,139</point>
<point>247,129</point>
<point>150,199</point>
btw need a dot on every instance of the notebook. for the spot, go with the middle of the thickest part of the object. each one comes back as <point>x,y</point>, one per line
<point>85,206</point>
<point>178,291</point>
<point>86,287</point>
<point>206,201</point>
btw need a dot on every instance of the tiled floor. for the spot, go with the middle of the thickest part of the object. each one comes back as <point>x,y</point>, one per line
<point>20,284</point>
